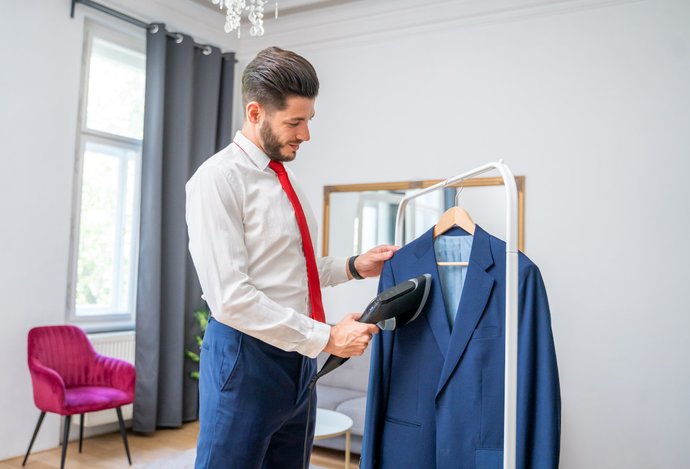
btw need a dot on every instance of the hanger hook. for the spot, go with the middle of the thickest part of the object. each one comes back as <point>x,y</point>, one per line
<point>457,194</point>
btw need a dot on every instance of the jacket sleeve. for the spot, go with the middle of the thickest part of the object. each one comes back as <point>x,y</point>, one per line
<point>377,392</point>
<point>539,400</point>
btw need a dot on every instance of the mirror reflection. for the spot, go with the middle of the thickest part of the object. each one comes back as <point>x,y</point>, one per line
<point>358,217</point>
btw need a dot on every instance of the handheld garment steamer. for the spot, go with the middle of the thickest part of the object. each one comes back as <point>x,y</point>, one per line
<point>393,308</point>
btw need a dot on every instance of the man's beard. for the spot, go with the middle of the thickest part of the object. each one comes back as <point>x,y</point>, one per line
<point>272,144</point>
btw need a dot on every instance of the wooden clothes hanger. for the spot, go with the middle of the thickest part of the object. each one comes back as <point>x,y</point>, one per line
<point>454,216</point>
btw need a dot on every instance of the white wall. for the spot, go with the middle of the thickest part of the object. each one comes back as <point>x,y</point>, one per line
<point>39,92</point>
<point>39,89</point>
<point>592,105</point>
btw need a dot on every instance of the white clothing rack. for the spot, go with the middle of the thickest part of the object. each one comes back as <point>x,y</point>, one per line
<point>511,317</point>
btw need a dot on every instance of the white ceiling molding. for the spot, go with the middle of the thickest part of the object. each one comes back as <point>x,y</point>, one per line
<point>360,22</point>
<point>303,6</point>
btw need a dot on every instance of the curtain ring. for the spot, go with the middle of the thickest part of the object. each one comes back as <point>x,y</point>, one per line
<point>153,29</point>
<point>207,50</point>
<point>178,38</point>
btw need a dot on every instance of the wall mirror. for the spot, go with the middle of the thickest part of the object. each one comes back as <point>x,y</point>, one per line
<point>357,217</point>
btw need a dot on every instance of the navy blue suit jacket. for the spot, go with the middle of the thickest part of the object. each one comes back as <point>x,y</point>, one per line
<point>435,398</point>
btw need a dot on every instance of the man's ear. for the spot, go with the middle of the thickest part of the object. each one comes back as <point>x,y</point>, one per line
<point>254,112</point>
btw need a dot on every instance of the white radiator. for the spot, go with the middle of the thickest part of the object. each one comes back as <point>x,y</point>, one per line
<point>117,345</point>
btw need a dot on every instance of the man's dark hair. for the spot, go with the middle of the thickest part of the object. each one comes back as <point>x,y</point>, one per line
<point>275,75</point>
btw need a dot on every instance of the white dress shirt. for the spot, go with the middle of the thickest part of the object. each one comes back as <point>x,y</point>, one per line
<point>247,250</point>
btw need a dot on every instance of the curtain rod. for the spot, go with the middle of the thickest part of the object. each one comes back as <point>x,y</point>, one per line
<point>109,11</point>
<point>129,19</point>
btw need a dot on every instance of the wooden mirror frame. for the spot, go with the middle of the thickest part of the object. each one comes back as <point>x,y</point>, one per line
<point>407,185</point>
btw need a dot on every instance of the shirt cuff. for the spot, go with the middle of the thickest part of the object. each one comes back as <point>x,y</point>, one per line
<point>316,340</point>
<point>339,275</point>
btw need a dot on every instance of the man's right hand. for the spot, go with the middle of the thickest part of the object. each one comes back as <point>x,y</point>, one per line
<point>349,337</point>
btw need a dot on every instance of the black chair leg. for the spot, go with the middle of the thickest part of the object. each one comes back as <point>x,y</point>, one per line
<point>33,438</point>
<point>81,430</point>
<point>123,432</point>
<point>65,440</point>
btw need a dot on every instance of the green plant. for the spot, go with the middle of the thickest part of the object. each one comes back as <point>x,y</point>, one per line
<point>201,316</point>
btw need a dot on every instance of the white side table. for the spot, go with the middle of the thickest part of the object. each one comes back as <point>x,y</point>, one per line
<point>330,424</point>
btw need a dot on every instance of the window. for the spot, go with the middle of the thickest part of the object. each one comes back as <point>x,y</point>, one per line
<point>105,244</point>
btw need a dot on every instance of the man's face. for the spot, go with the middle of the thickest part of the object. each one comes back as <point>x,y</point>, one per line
<point>282,132</point>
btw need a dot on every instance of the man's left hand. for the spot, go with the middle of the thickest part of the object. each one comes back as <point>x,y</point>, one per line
<point>371,262</point>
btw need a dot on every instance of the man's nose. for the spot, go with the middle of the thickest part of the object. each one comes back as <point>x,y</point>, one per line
<point>303,133</point>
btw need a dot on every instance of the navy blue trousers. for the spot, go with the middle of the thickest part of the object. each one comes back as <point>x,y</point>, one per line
<point>253,401</point>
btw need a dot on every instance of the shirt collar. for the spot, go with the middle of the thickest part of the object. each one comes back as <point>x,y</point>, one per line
<point>254,153</point>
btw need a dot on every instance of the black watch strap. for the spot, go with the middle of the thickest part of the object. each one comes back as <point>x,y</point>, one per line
<point>353,271</point>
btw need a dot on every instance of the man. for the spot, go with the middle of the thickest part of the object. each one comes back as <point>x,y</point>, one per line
<point>251,235</point>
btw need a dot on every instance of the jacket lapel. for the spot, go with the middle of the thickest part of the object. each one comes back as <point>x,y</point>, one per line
<point>475,294</point>
<point>436,309</point>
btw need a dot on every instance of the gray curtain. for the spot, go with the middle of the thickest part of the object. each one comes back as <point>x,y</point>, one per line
<point>187,119</point>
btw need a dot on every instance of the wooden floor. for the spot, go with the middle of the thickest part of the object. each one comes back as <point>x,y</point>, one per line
<point>108,452</point>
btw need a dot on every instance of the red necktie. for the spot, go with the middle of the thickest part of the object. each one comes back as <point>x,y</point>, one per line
<point>307,247</point>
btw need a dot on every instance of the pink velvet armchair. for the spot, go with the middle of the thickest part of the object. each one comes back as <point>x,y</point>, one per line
<point>70,378</point>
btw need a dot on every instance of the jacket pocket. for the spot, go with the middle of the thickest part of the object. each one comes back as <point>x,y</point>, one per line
<point>405,423</point>
<point>488,458</point>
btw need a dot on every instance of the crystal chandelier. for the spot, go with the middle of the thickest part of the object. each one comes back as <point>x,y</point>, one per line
<point>255,14</point>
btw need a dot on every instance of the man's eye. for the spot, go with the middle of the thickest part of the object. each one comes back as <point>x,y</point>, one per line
<point>293,124</point>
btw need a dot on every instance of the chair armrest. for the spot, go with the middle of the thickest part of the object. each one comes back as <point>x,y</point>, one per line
<point>115,373</point>
<point>48,386</point>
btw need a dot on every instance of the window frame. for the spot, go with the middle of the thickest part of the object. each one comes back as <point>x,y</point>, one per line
<point>132,38</point>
